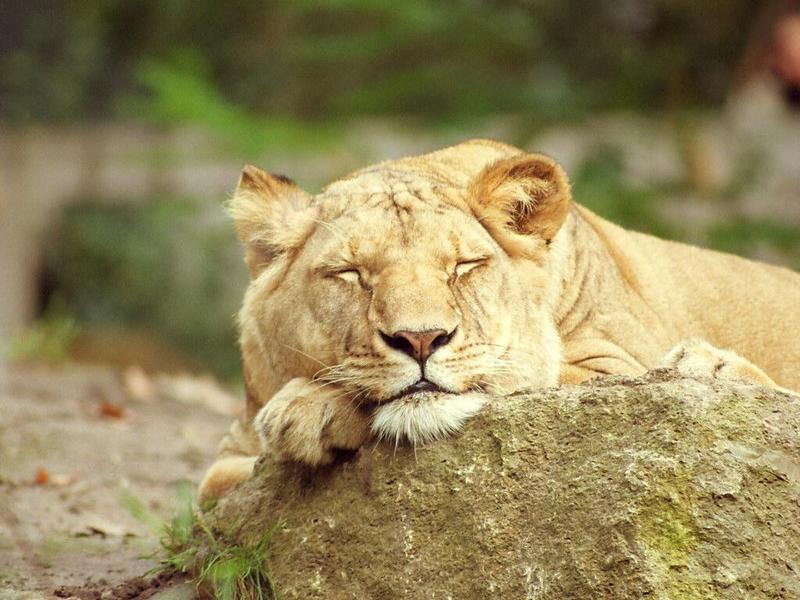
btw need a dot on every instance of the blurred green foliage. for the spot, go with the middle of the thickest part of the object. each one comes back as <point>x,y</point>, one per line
<point>171,266</point>
<point>448,59</point>
<point>748,237</point>
<point>600,185</point>
<point>48,340</point>
<point>181,92</point>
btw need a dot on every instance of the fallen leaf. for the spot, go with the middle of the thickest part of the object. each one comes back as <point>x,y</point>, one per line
<point>111,410</point>
<point>42,476</point>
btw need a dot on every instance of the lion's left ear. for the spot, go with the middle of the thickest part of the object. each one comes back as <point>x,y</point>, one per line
<point>518,197</point>
<point>272,216</point>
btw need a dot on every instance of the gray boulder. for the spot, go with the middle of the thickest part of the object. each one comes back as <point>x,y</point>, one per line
<point>657,487</point>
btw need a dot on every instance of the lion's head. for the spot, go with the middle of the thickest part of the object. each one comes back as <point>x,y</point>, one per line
<point>414,284</point>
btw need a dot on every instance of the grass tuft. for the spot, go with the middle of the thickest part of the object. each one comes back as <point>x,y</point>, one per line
<point>222,567</point>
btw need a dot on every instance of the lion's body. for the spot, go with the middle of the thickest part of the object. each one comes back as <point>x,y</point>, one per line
<point>644,295</point>
<point>479,242</point>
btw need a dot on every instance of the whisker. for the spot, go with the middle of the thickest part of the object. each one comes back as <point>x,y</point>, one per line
<point>335,382</point>
<point>304,354</point>
<point>507,349</point>
<point>329,368</point>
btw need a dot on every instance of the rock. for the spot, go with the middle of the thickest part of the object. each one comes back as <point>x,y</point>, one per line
<point>179,591</point>
<point>655,487</point>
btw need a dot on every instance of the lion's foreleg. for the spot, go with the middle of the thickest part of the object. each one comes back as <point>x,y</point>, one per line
<point>698,358</point>
<point>307,422</point>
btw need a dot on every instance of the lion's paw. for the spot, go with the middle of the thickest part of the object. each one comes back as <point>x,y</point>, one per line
<point>697,358</point>
<point>225,474</point>
<point>305,422</point>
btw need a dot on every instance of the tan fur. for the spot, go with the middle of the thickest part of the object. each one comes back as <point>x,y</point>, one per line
<point>283,423</point>
<point>479,240</point>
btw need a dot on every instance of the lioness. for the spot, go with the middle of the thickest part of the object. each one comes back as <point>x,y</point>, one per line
<point>393,302</point>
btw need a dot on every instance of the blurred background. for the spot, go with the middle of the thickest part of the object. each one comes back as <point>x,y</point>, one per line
<point>123,126</point>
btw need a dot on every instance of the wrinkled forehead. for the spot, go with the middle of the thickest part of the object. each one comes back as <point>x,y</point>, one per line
<point>392,217</point>
<point>390,188</point>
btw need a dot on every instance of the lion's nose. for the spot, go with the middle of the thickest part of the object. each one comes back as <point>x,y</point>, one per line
<point>418,344</point>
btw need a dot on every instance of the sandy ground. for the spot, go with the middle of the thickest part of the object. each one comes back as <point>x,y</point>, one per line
<point>73,442</point>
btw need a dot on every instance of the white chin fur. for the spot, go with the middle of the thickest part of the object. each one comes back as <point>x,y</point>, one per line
<point>424,417</point>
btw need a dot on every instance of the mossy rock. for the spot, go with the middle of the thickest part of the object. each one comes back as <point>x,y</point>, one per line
<point>656,487</point>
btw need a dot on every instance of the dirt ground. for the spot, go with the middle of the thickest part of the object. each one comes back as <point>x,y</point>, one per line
<point>74,443</point>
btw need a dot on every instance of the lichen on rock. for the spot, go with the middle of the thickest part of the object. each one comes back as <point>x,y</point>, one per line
<point>620,488</point>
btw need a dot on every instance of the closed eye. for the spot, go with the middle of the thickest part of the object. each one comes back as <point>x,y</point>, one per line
<point>465,266</point>
<point>350,275</point>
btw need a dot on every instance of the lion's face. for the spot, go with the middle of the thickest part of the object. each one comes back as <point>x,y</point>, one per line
<point>397,286</point>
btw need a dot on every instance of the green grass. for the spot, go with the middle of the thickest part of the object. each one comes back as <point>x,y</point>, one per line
<point>226,568</point>
<point>46,340</point>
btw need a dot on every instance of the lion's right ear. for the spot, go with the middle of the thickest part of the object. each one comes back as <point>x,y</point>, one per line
<point>272,216</point>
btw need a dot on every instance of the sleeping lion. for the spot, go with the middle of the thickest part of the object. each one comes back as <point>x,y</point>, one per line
<point>401,298</point>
